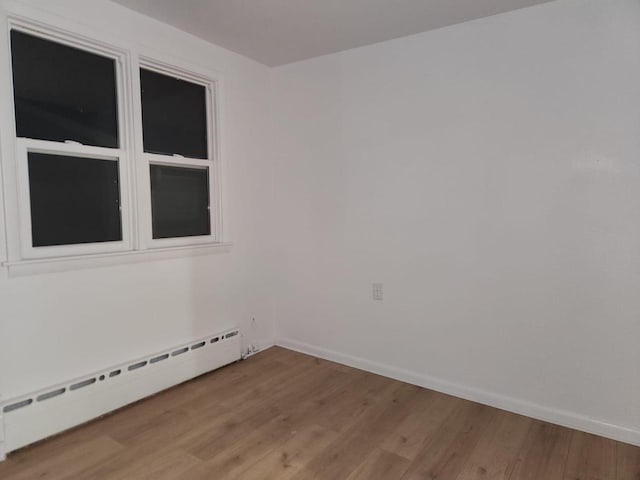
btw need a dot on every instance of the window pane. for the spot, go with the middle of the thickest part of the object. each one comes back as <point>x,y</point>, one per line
<point>63,93</point>
<point>174,115</point>
<point>179,201</point>
<point>73,200</point>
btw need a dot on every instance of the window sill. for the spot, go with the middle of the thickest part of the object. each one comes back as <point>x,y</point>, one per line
<point>62,264</point>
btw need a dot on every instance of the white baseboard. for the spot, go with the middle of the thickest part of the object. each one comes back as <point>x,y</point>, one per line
<point>559,417</point>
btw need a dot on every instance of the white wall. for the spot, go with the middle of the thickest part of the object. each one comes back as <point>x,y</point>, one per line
<point>54,327</point>
<point>489,175</point>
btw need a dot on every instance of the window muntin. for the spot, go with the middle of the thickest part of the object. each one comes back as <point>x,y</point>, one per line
<point>179,201</point>
<point>73,200</point>
<point>63,93</point>
<point>174,115</point>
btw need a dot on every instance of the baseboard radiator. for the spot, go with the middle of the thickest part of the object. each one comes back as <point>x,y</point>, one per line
<point>32,417</point>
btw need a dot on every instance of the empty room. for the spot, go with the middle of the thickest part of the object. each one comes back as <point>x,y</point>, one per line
<point>320,239</point>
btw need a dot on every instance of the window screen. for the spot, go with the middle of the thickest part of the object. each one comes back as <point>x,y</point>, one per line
<point>174,115</point>
<point>179,201</point>
<point>73,200</point>
<point>63,93</point>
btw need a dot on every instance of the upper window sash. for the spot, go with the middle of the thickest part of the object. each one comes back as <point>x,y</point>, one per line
<point>174,116</point>
<point>121,60</point>
<point>210,89</point>
<point>63,93</point>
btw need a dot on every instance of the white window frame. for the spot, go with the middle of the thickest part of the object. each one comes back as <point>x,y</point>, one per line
<point>211,163</point>
<point>134,164</point>
<point>121,154</point>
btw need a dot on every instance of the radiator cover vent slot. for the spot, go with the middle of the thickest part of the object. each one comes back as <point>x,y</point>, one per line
<point>82,384</point>
<point>159,358</point>
<point>15,406</point>
<point>136,366</point>
<point>51,394</point>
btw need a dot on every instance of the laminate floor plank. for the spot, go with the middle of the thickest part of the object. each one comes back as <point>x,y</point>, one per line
<point>498,446</point>
<point>286,460</point>
<point>544,453</point>
<point>65,463</point>
<point>628,462</point>
<point>420,425</point>
<point>591,458</point>
<point>380,465</point>
<point>446,455</point>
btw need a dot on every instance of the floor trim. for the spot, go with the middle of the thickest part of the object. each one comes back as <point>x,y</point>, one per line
<point>559,417</point>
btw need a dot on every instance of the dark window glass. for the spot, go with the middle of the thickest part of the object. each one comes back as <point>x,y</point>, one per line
<point>174,116</point>
<point>179,201</point>
<point>63,93</point>
<point>73,200</point>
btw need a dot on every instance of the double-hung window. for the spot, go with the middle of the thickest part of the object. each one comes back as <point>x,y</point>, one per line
<point>113,152</point>
<point>178,149</point>
<point>71,148</point>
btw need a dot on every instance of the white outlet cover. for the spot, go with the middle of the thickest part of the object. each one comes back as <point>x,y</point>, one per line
<point>377,291</point>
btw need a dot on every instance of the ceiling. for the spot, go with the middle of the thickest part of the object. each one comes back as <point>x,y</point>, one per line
<point>276,32</point>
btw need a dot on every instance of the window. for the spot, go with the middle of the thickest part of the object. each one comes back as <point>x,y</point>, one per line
<point>69,161</point>
<point>176,145</point>
<point>105,164</point>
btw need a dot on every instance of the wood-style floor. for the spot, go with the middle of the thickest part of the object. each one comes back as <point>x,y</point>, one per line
<point>283,415</point>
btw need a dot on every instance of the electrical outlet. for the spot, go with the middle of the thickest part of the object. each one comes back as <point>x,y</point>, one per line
<point>377,292</point>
